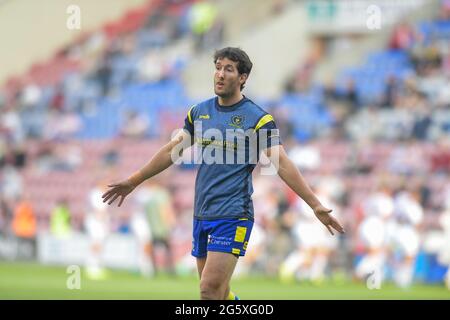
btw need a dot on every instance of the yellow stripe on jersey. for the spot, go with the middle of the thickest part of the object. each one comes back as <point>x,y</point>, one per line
<point>189,114</point>
<point>265,119</point>
<point>240,234</point>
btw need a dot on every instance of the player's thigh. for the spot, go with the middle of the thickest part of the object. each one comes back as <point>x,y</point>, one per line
<point>200,265</point>
<point>218,268</point>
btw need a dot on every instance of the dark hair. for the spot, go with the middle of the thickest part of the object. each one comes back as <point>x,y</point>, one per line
<point>244,65</point>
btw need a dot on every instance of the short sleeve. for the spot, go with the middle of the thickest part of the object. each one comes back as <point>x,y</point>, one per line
<point>267,132</point>
<point>188,122</point>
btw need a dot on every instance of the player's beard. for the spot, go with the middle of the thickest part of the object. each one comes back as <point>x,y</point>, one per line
<point>226,91</point>
<point>222,93</point>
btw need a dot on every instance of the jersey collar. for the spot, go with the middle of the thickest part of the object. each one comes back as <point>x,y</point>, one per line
<point>229,108</point>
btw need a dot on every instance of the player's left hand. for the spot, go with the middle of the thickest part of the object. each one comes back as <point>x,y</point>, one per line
<point>323,214</point>
<point>121,189</point>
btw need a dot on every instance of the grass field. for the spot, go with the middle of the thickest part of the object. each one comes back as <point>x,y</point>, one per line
<point>32,281</point>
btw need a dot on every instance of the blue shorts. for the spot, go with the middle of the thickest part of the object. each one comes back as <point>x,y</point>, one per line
<point>223,235</point>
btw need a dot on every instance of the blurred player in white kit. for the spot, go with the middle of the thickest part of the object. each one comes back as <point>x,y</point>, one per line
<point>444,250</point>
<point>375,232</point>
<point>407,239</point>
<point>314,246</point>
<point>97,225</point>
<point>141,229</point>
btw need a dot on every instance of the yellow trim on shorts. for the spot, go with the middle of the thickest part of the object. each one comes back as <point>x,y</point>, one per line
<point>240,234</point>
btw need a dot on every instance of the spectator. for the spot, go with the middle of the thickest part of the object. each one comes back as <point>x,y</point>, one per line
<point>388,99</point>
<point>134,125</point>
<point>11,184</point>
<point>60,219</point>
<point>58,100</point>
<point>24,224</point>
<point>11,125</point>
<point>403,37</point>
<point>62,125</point>
<point>30,96</point>
<point>103,75</point>
<point>6,214</point>
<point>440,158</point>
<point>202,17</point>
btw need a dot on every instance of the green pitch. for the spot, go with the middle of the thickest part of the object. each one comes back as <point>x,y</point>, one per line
<point>32,281</point>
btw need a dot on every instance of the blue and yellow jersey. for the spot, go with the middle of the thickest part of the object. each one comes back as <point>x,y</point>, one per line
<point>227,135</point>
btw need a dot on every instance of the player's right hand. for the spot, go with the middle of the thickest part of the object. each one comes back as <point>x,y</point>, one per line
<point>121,189</point>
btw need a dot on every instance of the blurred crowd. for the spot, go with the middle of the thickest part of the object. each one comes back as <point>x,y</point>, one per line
<point>379,156</point>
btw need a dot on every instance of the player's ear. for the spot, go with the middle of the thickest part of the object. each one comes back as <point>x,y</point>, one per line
<point>243,78</point>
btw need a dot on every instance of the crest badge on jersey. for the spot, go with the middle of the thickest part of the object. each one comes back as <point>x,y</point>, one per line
<point>237,121</point>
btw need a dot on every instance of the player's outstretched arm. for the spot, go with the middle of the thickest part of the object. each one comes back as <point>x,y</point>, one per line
<point>293,178</point>
<point>163,159</point>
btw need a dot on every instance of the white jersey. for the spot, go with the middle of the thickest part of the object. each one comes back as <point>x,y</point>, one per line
<point>309,231</point>
<point>408,209</point>
<point>379,204</point>
<point>140,227</point>
<point>97,222</point>
<point>372,231</point>
<point>97,225</point>
<point>407,240</point>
